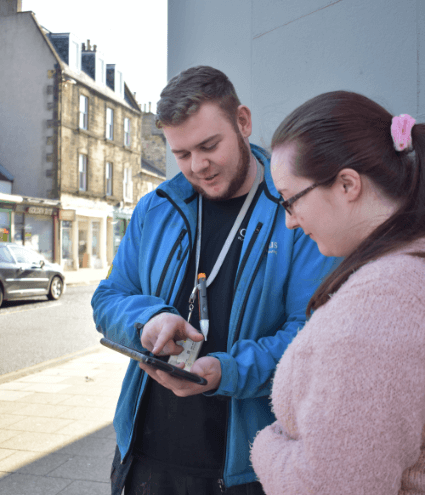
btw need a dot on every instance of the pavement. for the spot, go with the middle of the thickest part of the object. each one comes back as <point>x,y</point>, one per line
<point>85,276</point>
<point>56,433</point>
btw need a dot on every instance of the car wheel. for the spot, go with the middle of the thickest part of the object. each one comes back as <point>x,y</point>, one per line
<point>1,295</point>
<point>56,288</point>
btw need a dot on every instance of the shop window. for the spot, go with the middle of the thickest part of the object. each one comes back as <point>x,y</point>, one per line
<point>109,123</point>
<point>84,112</point>
<point>95,239</point>
<point>120,226</point>
<point>127,127</point>
<point>128,185</point>
<point>66,240</point>
<point>83,255</point>
<point>108,179</point>
<point>4,225</point>
<point>82,165</point>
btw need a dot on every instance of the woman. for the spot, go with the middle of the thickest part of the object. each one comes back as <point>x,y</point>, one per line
<point>349,393</point>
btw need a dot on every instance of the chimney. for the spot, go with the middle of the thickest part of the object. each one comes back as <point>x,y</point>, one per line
<point>83,47</point>
<point>94,48</point>
<point>88,46</point>
<point>144,108</point>
<point>10,7</point>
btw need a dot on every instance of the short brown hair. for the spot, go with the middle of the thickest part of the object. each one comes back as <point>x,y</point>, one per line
<point>185,93</point>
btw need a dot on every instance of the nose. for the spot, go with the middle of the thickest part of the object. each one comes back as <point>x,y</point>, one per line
<point>291,221</point>
<point>199,163</point>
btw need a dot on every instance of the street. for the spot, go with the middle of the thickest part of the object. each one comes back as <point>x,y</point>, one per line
<point>37,330</point>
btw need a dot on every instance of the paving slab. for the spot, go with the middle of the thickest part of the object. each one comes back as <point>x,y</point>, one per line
<point>56,433</point>
<point>27,484</point>
<point>85,468</point>
<point>79,487</point>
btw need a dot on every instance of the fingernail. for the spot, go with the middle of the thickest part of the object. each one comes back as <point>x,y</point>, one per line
<point>153,350</point>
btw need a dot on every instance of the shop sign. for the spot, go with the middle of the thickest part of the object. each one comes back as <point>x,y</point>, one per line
<point>6,206</point>
<point>67,215</point>
<point>37,210</point>
<point>4,231</point>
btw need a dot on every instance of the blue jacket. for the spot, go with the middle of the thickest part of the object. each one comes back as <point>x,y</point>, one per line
<point>278,272</point>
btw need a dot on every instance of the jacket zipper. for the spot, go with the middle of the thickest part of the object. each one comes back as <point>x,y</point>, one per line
<point>245,302</point>
<point>247,253</point>
<point>167,263</point>
<point>180,256</point>
<point>182,234</point>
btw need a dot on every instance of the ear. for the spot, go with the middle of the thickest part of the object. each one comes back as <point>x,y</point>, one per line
<point>349,184</point>
<point>244,121</point>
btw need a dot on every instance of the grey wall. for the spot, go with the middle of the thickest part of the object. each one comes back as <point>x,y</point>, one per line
<point>24,62</point>
<point>279,53</point>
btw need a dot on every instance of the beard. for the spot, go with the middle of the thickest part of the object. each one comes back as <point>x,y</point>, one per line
<point>239,177</point>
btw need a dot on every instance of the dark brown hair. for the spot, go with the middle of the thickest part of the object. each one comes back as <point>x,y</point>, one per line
<point>340,130</point>
<point>185,93</point>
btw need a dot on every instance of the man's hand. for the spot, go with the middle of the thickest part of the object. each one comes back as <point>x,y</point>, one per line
<point>160,334</point>
<point>208,367</point>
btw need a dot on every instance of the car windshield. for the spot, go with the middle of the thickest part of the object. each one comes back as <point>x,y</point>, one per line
<point>5,256</point>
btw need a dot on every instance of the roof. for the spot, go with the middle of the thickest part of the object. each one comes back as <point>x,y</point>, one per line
<point>150,168</point>
<point>82,77</point>
<point>5,174</point>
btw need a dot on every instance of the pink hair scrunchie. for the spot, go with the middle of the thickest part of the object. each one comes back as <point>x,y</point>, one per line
<point>401,131</point>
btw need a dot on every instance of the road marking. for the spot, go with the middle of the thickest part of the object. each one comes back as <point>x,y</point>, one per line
<point>2,313</point>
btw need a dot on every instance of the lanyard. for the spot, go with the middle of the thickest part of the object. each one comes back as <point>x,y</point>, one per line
<point>229,240</point>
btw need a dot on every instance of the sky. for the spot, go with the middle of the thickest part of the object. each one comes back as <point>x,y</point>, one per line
<point>131,34</point>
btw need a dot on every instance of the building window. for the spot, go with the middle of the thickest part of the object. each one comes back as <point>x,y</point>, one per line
<point>66,240</point>
<point>84,112</point>
<point>127,140</point>
<point>108,179</point>
<point>128,185</point>
<point>109,123</point>
<point>82,165</point>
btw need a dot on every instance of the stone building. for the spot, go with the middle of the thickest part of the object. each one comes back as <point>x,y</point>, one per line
<point>152,171</point>
<point>71,133</point>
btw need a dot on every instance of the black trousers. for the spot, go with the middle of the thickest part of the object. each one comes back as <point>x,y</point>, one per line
<point>148,480</point>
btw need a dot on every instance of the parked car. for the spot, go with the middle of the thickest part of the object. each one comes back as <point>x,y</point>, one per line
<point>24,273</point>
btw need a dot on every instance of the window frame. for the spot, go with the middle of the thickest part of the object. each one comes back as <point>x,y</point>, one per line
<point>84,115</point>
<point>127,131</point>
<point>109,171</point>
<point>109,123</point>
<point>82,173</point>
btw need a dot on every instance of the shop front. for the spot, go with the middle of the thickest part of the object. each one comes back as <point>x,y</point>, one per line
<point>5,222</point>
<point>36,227</point>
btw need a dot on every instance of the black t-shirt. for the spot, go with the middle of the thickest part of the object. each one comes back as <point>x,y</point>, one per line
<point>189,433</point>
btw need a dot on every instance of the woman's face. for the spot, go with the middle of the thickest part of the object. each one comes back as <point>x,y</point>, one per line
<point>322,212</point>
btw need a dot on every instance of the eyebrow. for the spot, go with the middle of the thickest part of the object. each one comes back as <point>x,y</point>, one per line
<point>199,145</point>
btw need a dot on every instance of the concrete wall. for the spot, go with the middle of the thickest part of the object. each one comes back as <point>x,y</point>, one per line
<point>280,53</point>
<point>24,112</point>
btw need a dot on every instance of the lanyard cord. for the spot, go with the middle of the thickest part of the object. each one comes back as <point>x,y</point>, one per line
<point>232,233</point>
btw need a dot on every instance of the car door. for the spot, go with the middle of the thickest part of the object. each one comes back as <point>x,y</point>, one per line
<point>31,276</point>
<point>7,270</point>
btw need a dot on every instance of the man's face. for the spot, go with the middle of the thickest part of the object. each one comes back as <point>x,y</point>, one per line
<point>213,157</point>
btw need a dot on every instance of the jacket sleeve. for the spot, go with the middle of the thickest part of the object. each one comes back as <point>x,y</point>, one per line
<point>118,302</point>
<point>248,369</point>
<point>349,403</point>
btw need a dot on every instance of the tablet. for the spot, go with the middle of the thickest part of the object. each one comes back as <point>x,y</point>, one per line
<point>154,362</point>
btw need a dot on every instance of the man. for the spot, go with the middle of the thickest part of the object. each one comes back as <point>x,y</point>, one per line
<point>174,436</point>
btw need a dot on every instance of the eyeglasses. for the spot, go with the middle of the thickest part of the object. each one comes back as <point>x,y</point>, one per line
<point>289,202</point>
